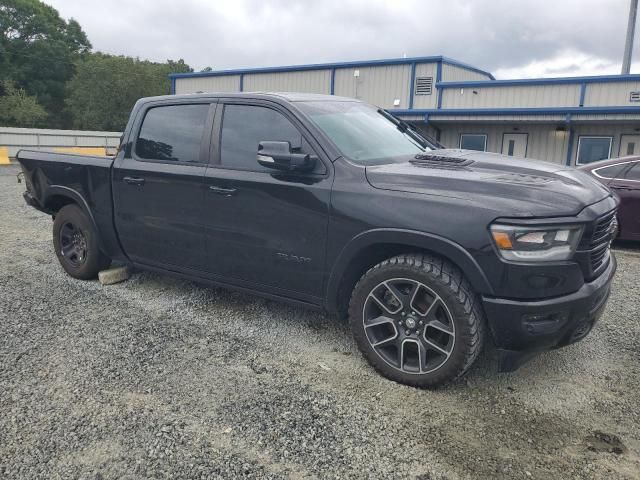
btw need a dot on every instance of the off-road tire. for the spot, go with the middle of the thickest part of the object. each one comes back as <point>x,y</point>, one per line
<point>448,282</point>
<point>93,260</point>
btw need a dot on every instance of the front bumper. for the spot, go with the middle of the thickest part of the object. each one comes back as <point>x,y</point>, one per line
<point>521,329</point>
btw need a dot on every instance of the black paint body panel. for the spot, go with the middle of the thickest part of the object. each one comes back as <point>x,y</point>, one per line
<point>296,236</point>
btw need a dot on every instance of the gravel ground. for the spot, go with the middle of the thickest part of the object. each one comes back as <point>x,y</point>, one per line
<point>162,378</point>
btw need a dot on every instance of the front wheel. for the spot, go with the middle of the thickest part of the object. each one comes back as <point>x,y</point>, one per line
<point>76,244</point>
<point>417,320</point>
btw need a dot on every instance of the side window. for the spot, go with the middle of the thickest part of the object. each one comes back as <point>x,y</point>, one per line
<point>244,126</point>
<point>172,132</point>
<point>611,172</point>
<point>634,173</point>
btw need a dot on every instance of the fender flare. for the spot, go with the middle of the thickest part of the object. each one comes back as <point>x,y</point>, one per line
<point>78,199</point>
<point>413,239</point>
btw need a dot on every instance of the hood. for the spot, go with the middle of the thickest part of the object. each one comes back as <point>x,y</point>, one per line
<point>510,186</point>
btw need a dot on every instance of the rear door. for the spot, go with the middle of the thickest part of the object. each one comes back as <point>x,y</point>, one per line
<point>265,229</point>
<point>158,185</point>
<point>627,187</point>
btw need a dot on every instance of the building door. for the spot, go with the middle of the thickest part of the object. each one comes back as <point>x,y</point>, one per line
<point>629,145</point>
<point>514,144</point>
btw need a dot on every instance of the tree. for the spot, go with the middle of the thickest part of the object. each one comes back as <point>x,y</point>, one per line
<point>17,109</point>
<point>38,50</point>
<point>104,88</point>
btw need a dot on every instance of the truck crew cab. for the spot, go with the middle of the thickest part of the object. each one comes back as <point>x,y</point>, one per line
<point>333,204</point>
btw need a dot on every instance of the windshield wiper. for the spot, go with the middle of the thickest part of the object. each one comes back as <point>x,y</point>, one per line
<point>407,129</point>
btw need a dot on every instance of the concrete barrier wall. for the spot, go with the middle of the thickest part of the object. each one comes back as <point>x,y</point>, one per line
<point>73,141</point>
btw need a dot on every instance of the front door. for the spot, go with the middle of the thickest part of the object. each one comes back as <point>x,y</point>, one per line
<point>515,144</point>
<point>629,145</point>
<point>265,229</point>
<point>158,187</point>
<point>627,187</point>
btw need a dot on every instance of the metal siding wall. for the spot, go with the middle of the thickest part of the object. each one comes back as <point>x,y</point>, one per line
<point>610,94</point>
<point>225,83</point>
<point>563,95</point>
<point>546,143</point>
<point>313,81</point>
<point>543,142</point>
<point>453,73</point>
<point>425,129</point>
<point>426,101</point>
<point>46,139</point>
<point>379,86</point>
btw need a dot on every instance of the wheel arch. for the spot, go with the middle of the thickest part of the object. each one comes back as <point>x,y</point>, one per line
<point>373,246</point>
<point>59,196</point>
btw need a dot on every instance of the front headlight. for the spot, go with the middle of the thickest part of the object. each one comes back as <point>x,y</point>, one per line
<point>536,243</point>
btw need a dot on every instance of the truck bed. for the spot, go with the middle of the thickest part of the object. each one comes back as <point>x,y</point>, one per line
<point>53,179</point>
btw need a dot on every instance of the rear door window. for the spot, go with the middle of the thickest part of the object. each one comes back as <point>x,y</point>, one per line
<point>172,133</point>
<point>611,172</point>
<point>634,173</point>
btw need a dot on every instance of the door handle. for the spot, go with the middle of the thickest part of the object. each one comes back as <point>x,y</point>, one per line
<point>134,180</point>
<point>227,192</point>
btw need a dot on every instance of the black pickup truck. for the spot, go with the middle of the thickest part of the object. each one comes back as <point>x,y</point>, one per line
<point>334,204</point>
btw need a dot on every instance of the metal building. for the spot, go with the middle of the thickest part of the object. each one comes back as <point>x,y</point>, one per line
<point>565,120</point>
<point>70,141</point>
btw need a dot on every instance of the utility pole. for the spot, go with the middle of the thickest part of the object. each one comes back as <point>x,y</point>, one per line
<point>631,28</point>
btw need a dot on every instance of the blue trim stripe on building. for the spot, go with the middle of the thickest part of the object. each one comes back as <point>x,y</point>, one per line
<point>438,81</point>
<point>326,66</point>
<point>583,92</point>
<point>332,85</point>
<point>572,134</point>
<point>543,81</point>
<point>412,84</point>
<point>517,111</point>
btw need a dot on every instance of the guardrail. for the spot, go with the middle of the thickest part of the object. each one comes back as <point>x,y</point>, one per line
<point>73,141</point>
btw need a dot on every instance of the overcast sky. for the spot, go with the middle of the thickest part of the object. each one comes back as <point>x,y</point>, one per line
<point>510,38</point>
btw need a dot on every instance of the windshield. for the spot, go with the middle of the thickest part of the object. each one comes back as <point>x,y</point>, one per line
<point>363,133</point>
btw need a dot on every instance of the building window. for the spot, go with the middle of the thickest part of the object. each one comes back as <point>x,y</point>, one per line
<point>473,142</point>
<point>592,149</point>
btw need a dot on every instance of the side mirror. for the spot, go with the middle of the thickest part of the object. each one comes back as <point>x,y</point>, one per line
<point>278,155</point>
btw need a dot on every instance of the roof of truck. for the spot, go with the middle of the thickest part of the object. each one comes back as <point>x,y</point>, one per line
<point>289,96</point>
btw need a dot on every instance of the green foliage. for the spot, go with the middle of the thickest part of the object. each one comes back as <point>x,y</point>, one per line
<point>46,65</point>
<point>38,50</point>
<point>17,109</point>
<point>105,88</point>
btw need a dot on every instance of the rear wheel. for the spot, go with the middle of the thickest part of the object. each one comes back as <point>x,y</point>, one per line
<point>417,320</point>
<point>76,244</point>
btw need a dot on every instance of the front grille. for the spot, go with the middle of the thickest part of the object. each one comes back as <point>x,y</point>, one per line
<point>601,237</point>
<point>602,231</point>
<point>599,256</point>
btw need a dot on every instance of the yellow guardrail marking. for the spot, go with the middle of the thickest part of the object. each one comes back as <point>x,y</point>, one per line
<point>100,151</point>
<point>4,156</point>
